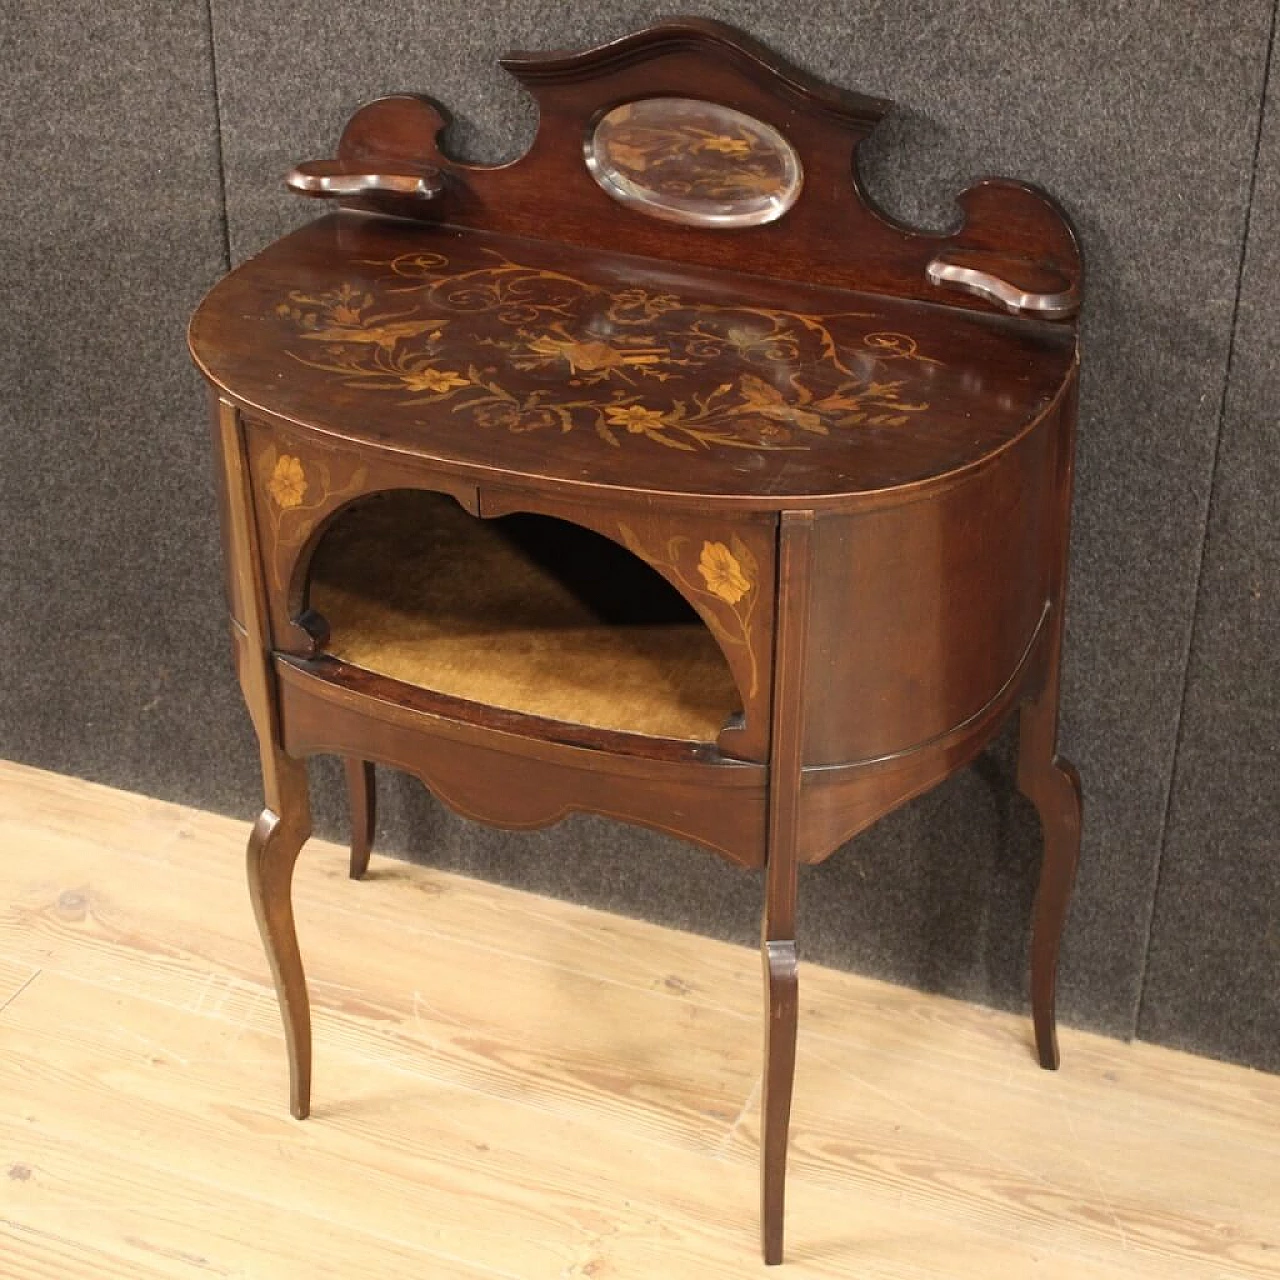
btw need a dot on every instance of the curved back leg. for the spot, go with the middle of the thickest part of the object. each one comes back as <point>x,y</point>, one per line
<point>1053,786</point>
<point>782,1004</point>
<point>362,801</point>
<point>1048,781</point>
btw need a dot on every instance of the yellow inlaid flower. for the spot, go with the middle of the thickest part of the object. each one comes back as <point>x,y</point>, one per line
<point>288,482</point>
<point>726,145</point>
<point>722,573</point>
<point>635,418</point>
<point>438,381</point>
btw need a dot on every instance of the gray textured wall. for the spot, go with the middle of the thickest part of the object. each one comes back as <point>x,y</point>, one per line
<point>152,140</point>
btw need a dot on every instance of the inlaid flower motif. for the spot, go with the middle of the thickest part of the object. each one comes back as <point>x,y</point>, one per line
<point>506,415</point>
<point>288,482</point>
<point>593,355</point>
<point>375,335</point>
<point>535,420</point>
<point>344,313</point>
<point>762,431</point>
<point>790,381</point>
<point>635,418</point>
<point>722,573</point>
<point>728,573</point>
<point>501,414</point>
<point>753,181</point>
<point>630,305</point>
<point>437,381</point>
<point>759,396</point>
<point>725,145</point>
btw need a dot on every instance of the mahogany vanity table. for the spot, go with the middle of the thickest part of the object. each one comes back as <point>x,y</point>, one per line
<point>655,474</point>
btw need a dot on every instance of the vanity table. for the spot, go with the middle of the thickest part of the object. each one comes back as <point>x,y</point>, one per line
<point>655,474</point>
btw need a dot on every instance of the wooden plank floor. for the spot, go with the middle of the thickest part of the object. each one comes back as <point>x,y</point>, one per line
<point>511,1086</point>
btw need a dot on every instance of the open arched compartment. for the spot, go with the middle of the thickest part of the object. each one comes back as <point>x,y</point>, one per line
<point>528,613</point>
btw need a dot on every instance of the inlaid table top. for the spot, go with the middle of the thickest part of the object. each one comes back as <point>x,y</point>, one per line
<point>484,352</point>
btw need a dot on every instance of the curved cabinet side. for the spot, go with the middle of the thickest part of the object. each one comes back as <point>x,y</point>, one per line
<point>927,607</point>
<point>840,801</point>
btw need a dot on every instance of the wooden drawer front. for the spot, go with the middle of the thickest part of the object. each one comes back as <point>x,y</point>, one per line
<point>500,775</point>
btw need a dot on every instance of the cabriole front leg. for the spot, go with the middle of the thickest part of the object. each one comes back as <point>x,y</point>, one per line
<point>274,845</point>
<point>782,1003</point>
<point>285,821</point>
<point>778,930</point>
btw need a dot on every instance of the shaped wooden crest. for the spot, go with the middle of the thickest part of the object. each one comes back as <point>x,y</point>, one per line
<point>691,142</point>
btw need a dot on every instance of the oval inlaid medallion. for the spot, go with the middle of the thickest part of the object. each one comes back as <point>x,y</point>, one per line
<point>694,162</point>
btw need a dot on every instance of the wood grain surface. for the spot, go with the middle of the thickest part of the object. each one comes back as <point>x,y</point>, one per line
<point>481,354</point>
<point>511,1086</point>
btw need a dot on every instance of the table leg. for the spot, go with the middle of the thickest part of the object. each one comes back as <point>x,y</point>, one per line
<point>1053,786</point>
<point>778,931</point>
<point>782,1008</point>
<point>362,800</point>
<point>1050,782</point>
<point>285,823</point>
<point>274,845</point>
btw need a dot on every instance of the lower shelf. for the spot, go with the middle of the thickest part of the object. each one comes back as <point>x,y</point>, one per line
<point>523,613</point>
<point>494,771</point>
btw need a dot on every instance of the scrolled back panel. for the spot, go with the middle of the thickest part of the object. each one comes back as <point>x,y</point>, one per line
<point>821,228</point>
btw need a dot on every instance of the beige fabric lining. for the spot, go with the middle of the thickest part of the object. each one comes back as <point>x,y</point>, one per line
<point>522,613</point>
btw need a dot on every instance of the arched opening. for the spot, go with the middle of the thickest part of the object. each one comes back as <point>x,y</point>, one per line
<point>524,612</point>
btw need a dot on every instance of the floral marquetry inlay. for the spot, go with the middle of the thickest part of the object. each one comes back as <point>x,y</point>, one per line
<point>726,578</point>
<point>287,483</point>
<point>523,349</point>
<point>298,492</point>
<point>723,573</point>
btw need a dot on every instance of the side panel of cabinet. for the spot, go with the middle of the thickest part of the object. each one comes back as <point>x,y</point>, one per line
<point>299,482</point>
<point>924,610</point>
<point>233,587</point>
